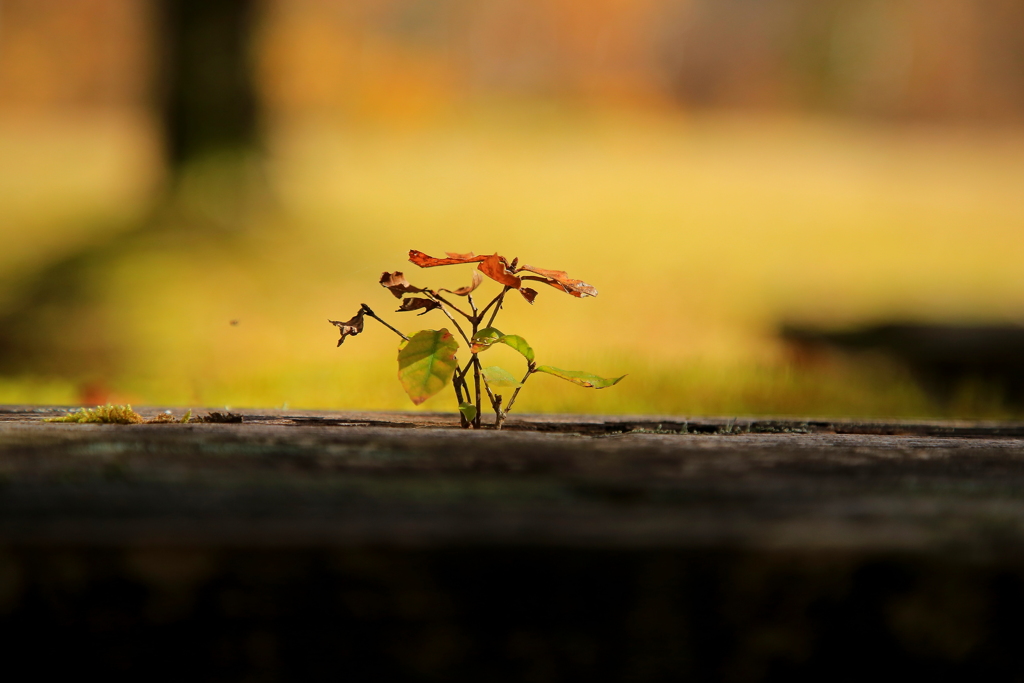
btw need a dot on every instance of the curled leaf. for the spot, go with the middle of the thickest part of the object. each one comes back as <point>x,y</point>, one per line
<point>467,290</point>
<point>349,328</point>
<point>469,410</point>
<point>484,339</point>
<point>560,280</point>
<point>499,377</point>
<point>584,379</point>
<point>500,270</point>
<point>416,303</point>
<point>426,363</point>
<point>397,284</point>
<point>424,261</point>
<point>497,268</point>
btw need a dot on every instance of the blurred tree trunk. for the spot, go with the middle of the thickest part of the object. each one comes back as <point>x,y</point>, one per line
<point>209,114</point>
<point>206,93</point>
<point>65,321</point>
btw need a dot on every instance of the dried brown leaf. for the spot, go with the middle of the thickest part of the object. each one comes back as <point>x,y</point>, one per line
<point>424,261</point>
<point>560,280</point>
<point>350,328</point>
<point>416,303</point>
<point>455,254</point>
<point>496,268</point>
<point>468,289</point>
<point>397,284</point>
<point>220,418</point>
<point>528,293</point>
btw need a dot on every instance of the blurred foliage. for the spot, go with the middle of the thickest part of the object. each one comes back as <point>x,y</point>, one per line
<point>701,234</point>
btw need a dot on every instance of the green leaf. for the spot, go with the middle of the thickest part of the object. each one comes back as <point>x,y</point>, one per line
<point>489,336</point>
<point>484,338</point>
<point>584,379</point>
<point>499,377</point>
<point>468,409</point>
<point>519,344</point>
<point>426,363</point>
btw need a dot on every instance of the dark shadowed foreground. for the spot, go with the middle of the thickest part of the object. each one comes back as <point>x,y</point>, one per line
<point>316,546</point>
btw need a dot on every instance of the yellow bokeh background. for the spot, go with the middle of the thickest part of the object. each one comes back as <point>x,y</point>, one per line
<point>701,233</point>
<point>548,131</point>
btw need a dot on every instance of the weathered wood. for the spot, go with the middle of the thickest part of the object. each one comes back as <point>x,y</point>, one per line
<point>322,477</point>
<point>561,548</point>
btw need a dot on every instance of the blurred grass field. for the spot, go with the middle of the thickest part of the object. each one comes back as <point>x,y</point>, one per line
<point>701,233</point>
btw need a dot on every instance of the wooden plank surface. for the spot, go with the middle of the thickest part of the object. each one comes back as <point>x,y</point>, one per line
<point>295,545</point>
<point>315,477</point>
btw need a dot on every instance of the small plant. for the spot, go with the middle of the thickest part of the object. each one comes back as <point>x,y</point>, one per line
<point>426,360</point>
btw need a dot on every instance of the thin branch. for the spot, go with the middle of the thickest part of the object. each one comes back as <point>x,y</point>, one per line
<point>490,394</point>
<point>458,394</point>
<point>461,312</point>
<point>476,384</point>
<point>495,300</point>
<point>499,417</point>
<point>455,322</point>
<point>495,400</point>
<point>459,378</point>
<point>472,305</point>
<point>500,300</point>
<point>369,312</point>
<point>532,368</point>
<point>462,377</point>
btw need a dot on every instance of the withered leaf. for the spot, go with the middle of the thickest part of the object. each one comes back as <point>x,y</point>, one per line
<point>528,293</point>
<point>397,284</point>
<point>424,261</point>
<point>468,289</point>
<point>349,328</point>
<point>500,270</point>
<point>560,280</point>
<point>416,303</point>
<point>496,268</point>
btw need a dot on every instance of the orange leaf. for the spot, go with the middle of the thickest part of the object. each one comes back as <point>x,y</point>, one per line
<point>496,268</point>
<point>561,280</point>
<point>397,284</point>
<point>424,261</point>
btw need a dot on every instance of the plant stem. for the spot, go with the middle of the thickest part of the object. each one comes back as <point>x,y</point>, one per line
<point>442,300</point>
<point>493,301</point>
<point>462,378</point>
<point>458,394</point>
<point>500,299</point>
<point>490,394</point>
<point>530,370</point>
<point>369,312</point>
<point>498,416</point>
<point>462,390</point>
<point>476,384</point>
<point>455,322</point>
